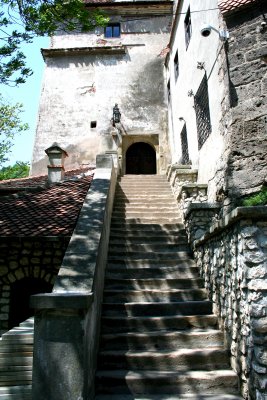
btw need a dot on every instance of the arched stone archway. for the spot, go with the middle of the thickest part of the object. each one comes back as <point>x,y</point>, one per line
<point>20,293</point>
<point>141,159</point>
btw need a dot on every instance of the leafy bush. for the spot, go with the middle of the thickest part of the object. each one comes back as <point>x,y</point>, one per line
<point>257,199</point>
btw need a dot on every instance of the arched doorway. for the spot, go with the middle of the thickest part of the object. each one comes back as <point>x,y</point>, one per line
<point>141,159</point>
<point>20,293</point>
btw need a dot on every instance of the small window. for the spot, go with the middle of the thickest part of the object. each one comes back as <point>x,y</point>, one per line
<point>187,27</point>
<point>93,124</point>
<point>184,144</point>
<point>113,30</point>
<point>176,65</point>
<point>202,109</point>
<point>169,90</point>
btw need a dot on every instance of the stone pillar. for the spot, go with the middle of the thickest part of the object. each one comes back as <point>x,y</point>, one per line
<point>60,345</point>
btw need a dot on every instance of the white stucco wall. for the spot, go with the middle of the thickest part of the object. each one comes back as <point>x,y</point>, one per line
<point>80,88</point>
<point>204,50</point>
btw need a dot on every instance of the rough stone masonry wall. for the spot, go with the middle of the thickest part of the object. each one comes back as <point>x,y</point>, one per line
<point>242,168</point>
<point>38,258</point>
<point>232,258</point>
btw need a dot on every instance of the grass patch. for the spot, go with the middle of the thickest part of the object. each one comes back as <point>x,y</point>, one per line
<point>257,199</point>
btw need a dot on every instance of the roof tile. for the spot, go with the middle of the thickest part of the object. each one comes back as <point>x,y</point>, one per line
<point>230,5</point>
<point>51,211</point>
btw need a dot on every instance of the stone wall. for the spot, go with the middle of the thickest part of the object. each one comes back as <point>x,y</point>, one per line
<point>232,258</point>
<point>67,321</point>
<point>242,168</point>
<point>38,258</point>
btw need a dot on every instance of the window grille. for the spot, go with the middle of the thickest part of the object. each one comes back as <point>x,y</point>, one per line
<point>185,153</point>
<point>202,110</point>
<point>169,90</point>
<point>113,30</point>
<point>176,65</point>
<point>187,27</point>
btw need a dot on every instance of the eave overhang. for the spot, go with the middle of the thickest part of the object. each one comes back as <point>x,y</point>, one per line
<point>75,51</point>
<point>134,7</point>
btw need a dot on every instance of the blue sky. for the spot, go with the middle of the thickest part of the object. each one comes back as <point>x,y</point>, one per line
<point>28,94</point>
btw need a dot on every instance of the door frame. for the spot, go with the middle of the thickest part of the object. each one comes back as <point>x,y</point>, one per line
<point>128,140</point>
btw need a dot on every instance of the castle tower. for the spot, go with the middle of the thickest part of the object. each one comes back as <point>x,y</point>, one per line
<point>87,74</point>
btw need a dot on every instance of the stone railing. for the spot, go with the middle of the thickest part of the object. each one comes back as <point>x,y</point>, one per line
<point>67,321</point>
<point>185,189</point>
<point>232,258</point>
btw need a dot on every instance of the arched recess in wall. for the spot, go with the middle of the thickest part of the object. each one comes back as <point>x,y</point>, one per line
<point>141,159</point>
<point>20,293</point>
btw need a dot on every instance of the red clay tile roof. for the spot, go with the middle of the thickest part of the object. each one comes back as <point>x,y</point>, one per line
<point>51,211</point>
<point>230,5</point>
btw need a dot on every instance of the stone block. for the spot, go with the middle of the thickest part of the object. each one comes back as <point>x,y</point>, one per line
<point>257,284</point>
<point>260,325</point>
<point>256,53</point>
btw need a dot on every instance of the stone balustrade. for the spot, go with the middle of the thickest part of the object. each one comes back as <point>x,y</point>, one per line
<point>232,258</point>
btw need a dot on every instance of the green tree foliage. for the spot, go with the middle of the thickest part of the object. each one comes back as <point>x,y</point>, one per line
<point>21,20</point>
<point>19,170</point>
<point>10,125</point>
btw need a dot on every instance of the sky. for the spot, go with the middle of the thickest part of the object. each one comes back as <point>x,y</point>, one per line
<point>28,94</point>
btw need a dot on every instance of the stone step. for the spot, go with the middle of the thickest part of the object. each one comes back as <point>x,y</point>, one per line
<point>18,392</point>
<point>10,359</point>
<point>201,396</point>
<point>154,382</point>
<point>124,189</point>
<point>18,338</point>
<point>148,247</point>
<point>140,198</point>
<point>170,228</point>
<point>149,255</point>
<point>146,187</point>
<point>124,323</point>
<point>160,237</point>
<point>152,295</point>
<point>15,348</point>
<point>14,368</point>
<point>160,240</point>
<point>179,273</point>
<point>193,338</point>
<point>130,203</point>
<point>148,183</point>
<point>155,284</point>
<point>21,377</point>
<point>149,213</point>
<point>145,220</point>
<point>179,360</point>
<point>157,309</point>
<point>145,263</point>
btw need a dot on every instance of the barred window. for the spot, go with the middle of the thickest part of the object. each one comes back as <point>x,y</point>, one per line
<point>187,27</point>
<point>176,65</point>
<point>184,144</point>
<point>169,90</point>
<point>202,110</point>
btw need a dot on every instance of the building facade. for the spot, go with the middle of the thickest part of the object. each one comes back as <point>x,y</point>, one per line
<point>86,74</point>
<point>216,74</point>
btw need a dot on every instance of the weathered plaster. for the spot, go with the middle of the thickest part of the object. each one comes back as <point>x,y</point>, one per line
<point>81,86</point>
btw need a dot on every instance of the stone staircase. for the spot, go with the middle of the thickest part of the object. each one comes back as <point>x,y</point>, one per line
<point>16,349</point>
<point>159,337</point>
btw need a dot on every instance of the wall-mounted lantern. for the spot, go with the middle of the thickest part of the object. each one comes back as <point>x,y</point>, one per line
<point>116,115</point>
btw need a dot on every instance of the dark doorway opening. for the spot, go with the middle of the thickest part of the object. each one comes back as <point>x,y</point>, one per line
<point>141,159</point>
<point>20,292</point>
